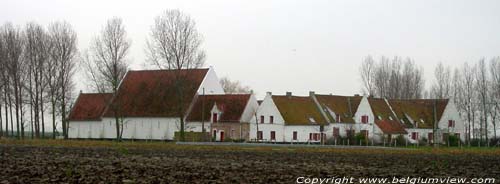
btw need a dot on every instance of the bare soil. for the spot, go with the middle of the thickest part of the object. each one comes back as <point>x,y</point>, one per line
<point>48,164</point>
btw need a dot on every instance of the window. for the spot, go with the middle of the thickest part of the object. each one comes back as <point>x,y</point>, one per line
<point>214,117</point>
<point>336,132</point>
<point>414,135</point>
<point>314,136</point>
<point>451,123</point>
<point>273,135</point>
<point>294,135</point>
<point>430,137</point>
<point>337,118</point>
<point>259,135</point>
<point>232,133</point>
<point>271,119</point>
<point>364,119</point>
<point>261,119</point>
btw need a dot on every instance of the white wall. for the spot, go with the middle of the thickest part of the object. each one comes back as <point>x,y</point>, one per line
<point>143,128</point>
<point>250,109</point>
<point>84,129</point>
<point>451,113</point>
<point>211,84</point>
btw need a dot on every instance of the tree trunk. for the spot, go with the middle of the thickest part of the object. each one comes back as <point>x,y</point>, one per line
<point>1,121</point>
<point>43,116</point>
<point>31,109</point>
<point>53,103</point>
<point>17,105</point>
<point>11,117</point>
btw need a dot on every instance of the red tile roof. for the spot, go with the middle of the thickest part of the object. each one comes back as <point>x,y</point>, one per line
<point>89,107</point>
<point>391,127</point>
<point>151,93</point>
<point>232,107</point>
<point>345,106</point>
<point>418,110</point>
<point>298,110</point>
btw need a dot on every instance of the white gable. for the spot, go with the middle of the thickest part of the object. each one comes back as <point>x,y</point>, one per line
<point>211,84</point>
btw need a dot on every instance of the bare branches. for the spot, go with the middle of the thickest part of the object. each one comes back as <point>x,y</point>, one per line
<point>397,79</point>
<point>442,86</point>
<point>106,62</point>
<point>63,51</point>
<point>233,87</point>
<point>174,42</point>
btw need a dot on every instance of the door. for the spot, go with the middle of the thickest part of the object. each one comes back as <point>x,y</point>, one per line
<point>222,136</point>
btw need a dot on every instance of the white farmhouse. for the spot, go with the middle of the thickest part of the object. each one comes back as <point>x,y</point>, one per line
<point>288,119</point>
<point>147,103</point>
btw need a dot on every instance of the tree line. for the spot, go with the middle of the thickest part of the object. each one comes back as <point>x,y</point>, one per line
<point>474,88</point>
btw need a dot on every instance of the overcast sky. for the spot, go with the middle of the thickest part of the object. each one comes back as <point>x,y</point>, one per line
<point>290,45</point>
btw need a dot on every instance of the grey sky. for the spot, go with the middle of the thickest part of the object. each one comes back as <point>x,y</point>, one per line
<point>295,46</point>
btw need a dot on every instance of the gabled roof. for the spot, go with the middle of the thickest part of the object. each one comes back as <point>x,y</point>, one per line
<point>152,93</point>
<point>391,127</point>
<point>345,106</point>
<point>298,110</point>
<point>381,109</point>
<point>89,106</point>
<point>231,105</point>
<point>421,111</point>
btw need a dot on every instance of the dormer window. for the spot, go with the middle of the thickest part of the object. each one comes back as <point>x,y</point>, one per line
<point>312,120</point>
<point>337,118</point>
<point>390,118</point>
<point>379,117</point>
<point>215,117</point>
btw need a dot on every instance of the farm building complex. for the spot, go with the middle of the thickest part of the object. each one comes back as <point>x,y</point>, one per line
<point>149,104</point>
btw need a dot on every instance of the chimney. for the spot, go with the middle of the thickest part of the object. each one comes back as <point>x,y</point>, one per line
<point>81,91</point>
<point>311,93</point>
<point>269,93</point>
<point>289,94</point>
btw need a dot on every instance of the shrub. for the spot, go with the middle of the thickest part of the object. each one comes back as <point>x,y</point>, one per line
<point>453,140</point>
<point>400,140</point>
<point>360,138</point>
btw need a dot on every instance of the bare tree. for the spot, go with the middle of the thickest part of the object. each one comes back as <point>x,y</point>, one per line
<point>441,89</point>
<point>175,44</point>
<point>63,50</point>
<point>14,42</point>
<point>37,55</point>
<point>233,87</point>
<point>2,84</point>
<point>367,71</point>
<point>495,91</point>
<point>396,78</point>
<point>107,63</point>
<point>482,83</point>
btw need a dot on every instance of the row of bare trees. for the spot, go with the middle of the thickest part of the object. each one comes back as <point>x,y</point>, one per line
<point>474,88</point>
<point>36,69</point>
<point>395,78</point>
